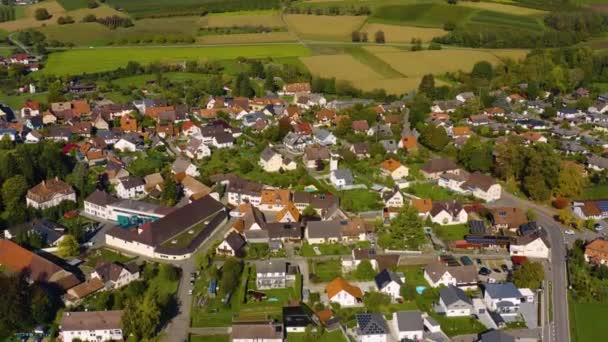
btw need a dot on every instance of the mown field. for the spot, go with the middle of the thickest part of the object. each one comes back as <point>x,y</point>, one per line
<point>247,38</point>
<point>267,18</point>
<point>73,4</point>
<point>164,8</point>
<point>324,27</point>
<point>78,61</point>
<point>402,34</point>
<point>584,324</point>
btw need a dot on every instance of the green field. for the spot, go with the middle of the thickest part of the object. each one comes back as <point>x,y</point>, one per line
<point>78,61</point>
<point>334,336</point>
<point>451,233</point>
<point>584,323</point>
<point>595,192</point>
<point>209,338</point>
<point>165,8</point>
<point>428,14</point>
<point>73,4</point>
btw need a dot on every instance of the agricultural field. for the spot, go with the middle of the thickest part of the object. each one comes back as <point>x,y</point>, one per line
<point>169,8</point>
<point>73,4</point>
<point>504,8</point>
<point>584,323</point>
<point>342,67</point>
<point>324,27</point>
<point>245,38</point>
<point>56,11</point>
<point>78,61</point>
<point>268,19</point>
<point>403,34</point>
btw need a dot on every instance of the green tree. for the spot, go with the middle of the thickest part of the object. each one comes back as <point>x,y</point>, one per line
<point>570,181</point>
<point>309,211</point>
<point>231,273</point>
<point>13,198</point>
<point>68,246</point>
<point>79,178</point>
<point>373,301</point>
<point>434,137</point>
<point>170,194</point>
<point>482,70</point>
<point>476,155</point>
<point>427,86</point>
<point>55,92</point>
<point>405,231</point>
<point>168,272</point>
<point>379,37</point>
<point>41,14</point>
<point>408,291</point>
<point>364,271</point>
<point>530,275</point>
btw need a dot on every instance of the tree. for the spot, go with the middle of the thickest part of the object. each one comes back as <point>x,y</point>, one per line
<point>245,166</point>
<point>231,273</point>
<point>269,83</point>
<point>170,194</point>
<point>419,109</point>
<point>68,246</point>
<point>42,14</point>
<point>434,137</point>
<point>427,85</point>
<point>566,217</point>
<point>309,211</point>
<point>379,37</point>
<point>373,301</point>
<point>355,36</point>
<point>168,272</point>
<point>43,309</point>
<point>364,271</point>
<point>13,198</point>
<point>79,178</point>
<point>141,320</point>
<point>482,70</point>
<point>476,155</point>
<point>530,275</point>
<point>55,92</point>
<point>92,4</point>
<point>570,181</point>
<point>408,291</point>
<point>405,231</point>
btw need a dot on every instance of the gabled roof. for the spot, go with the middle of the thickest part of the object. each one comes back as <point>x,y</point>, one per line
<point>385,277</point>
<point>439,165</point>
<point>391,165</point>
<point>423,205</point>
<point>451,295</point>
<point>371,324</point>
<point>289,208</point>
<point>339,284</point>
<point>504,290</point>
<point>110,271</point>
<point>91,320</point>
<point>235,241</point>
<point>409,320</point>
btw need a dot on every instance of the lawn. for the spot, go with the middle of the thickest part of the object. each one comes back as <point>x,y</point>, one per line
<point>430,190</point>
<point>403,34</point>
<point>16,101</point>
<point>140,80</point>
<point>166,8</point>
<point>414,274</point>
<point>325,271</point>
<point>334,336</point>
<point>105,254</point>
<point>209,338</point>
<point>595,192</point>
<point>78,61</point>
<point>584,321</point>
<point>422,14</point>
<point>366,57</point>
<point>324,27</point>
<point>73,4</point>
<point>451,233</point>
<point>325,249</point>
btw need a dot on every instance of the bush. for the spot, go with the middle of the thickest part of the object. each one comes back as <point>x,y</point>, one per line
<point>65,20</point>
<point>449,26</point>
<point>42,14</point>
<point>92,4</point>
<point>561,203</point>
<point>89,18</point>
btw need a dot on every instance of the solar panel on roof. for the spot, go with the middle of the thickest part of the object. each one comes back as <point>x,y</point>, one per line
<point>603,205</point>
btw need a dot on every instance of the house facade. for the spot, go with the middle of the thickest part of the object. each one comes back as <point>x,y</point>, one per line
<point>91,326</point>
<point>49,193</point>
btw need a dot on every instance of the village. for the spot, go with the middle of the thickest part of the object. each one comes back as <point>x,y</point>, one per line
<point>297,217</point>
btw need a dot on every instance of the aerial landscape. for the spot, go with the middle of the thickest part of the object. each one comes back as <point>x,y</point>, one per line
<point>303,170</point>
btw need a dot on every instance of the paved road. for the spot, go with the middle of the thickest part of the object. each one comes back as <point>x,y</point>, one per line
<point>559,329</point>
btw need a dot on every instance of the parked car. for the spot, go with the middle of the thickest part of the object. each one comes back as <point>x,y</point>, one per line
<point>598,227</point>
<point>504,267</point>
<point>190,292</point>
<point>484,271</point>
<point>497,270</point>
<point>466,260</point>
<point>570,232</point>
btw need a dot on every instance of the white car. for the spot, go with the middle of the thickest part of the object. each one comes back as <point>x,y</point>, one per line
<point>570,232</point>
<point>190,292</point>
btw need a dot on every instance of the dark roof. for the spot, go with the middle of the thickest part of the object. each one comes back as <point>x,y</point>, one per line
<point>478,180</point>
<point>298,316</point>
<point>528,228</point>
<point>91,320</point>
<point>452,207</point>
<point>505,290</point>
<point>385,277</point>
<point>100,198</point>
<point>452,294</point>
<point>496,336</point>
<point>282,230</point>
<point>131,182</point>
<point>477,227</point>
<point>371,324</point>
<point>439,165</point>
<point>110,271</point>
<point>157,232</point>
<point>236,241</point>
<point>242,186</point>
<point>409,320</point>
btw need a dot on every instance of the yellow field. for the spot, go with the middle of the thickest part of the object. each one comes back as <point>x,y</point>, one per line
<point>324,27</point>
<point>402,34</point>
<point>420,63</point>
<point>395,86</point>
<point>381,48</point>
<point>342,67</point>
<point>248,38</point>
<point>268,20</point>
<point>491,6</point>
<point>56,11</point>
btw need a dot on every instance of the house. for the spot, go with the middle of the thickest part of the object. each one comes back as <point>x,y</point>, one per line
<point>507,217</point>
<point>37,269</point>
<point>270,160</point>
<point>293,88</point>
<point>30,108</point>
<point>482,186</point>
<point>49,193</point>
<point>128,123</point>
<point>479,120</point>
<point>115,275</point>
<point>535,245</point>
<point>592,209</point>
<point>341,292</point>
<point>223,140</point>
<point>423,205</point>
<point>393,199</point>
<point>232,245</point>
<point>499,336</point>
<point>100,123</point>
<point>439,274</point>
<point>91,326</point>
<point>454,302</point>
<point>394,169</point>
<point>436,167</point>
<point>372,327</point>
<point>596,163</point>
<point>273,275</point>
<point>448,212</point>
<point>161,238</point>
<point>196,149</point>
<point>531,137</point>
<point>342,178</point>
<point>323,137</point>
<point>296,318</point>
<point>130,187</point>
<point>50,233</point>
<point>409,143</point>
<point>181,165</point>
<point>597,252</point>
<point>240,190</point>
<point>360,149</point>
<point>194,189</point>
<point>257,332</point>
<point>389,283</point>
<point>464,97</point>
<point>126,144</point>
<point>408,325</point>
<point>390,145</point>
<point>325,116</point>
<point>315,155</point>
<point>295,142</point>
<point>360,126</point>
<point>503,298</point>
<point>289,213</point>
<point>460,132</point>
<point>79,292</point>
<point>95,204</point>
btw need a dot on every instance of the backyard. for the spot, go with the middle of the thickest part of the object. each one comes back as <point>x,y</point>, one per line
<point>324,271</point>
<point>452,232</point>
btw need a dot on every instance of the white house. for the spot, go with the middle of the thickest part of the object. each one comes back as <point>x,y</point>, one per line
<point>393,199</point>
<point>394,169</point>
<point>454,302</point>
<point>270,160</point>
<point>272,274</point>
<point>125,145</point>
<point>130,188</point>
<point>181,165</point>
<point>341,292</point>
<point>408,325</point>
<point>49,193</point>
<point>196,149</point>
<point>372,327</point>
<point>503,298</point>
<point>91,326</point>
<point>341,178</point>
<point>232,245</point>
<point>448,212</point>
<point>532,246</point>
<point>115,275</point>
<point>389,283</point>
<point>96,204</point>
<point>438,274</point>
